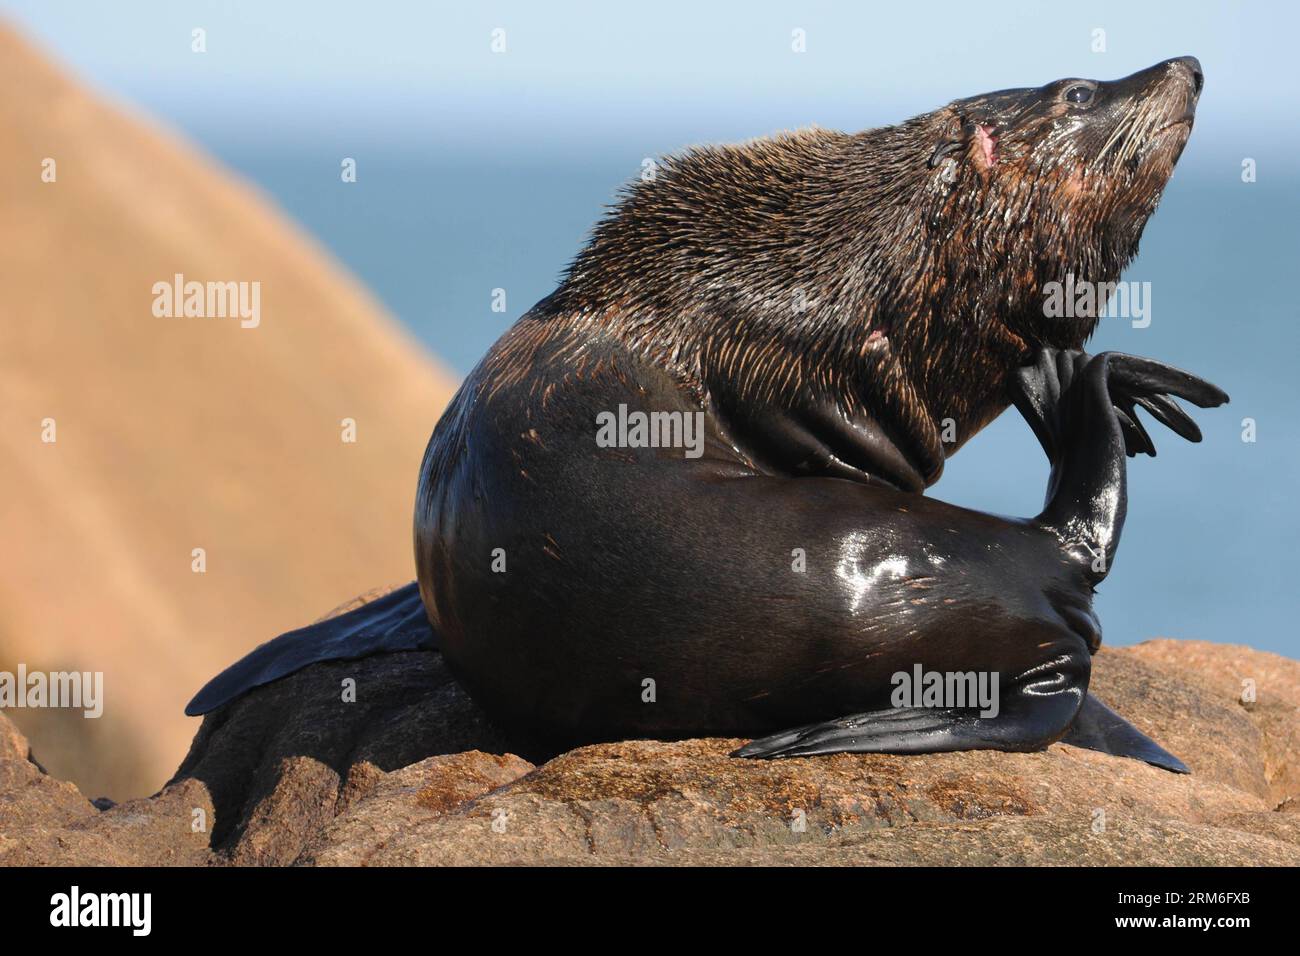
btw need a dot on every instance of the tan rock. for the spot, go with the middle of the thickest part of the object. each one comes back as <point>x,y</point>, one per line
<point>397,802</point>
<point>1229,672</point>
<point>411,773</point>
<point>48,822</point>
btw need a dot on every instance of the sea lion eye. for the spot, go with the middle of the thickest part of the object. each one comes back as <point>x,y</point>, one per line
<point>1079,94</point>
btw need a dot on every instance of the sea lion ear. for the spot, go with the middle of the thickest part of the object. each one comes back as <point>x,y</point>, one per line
<point>956,136</point>
<point>942,150</point>
<point>949,136</point>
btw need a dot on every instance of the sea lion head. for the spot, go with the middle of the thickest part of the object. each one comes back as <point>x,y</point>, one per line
<point>1059,179</point>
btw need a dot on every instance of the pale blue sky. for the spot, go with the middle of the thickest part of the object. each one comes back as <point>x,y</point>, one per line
<point>588,69</point>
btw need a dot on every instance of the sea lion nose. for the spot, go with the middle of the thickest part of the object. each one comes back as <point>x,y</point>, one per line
<point>1180,69</point>
<point>1193,68</point>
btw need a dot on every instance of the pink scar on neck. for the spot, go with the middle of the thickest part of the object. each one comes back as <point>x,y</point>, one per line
<point>988,144</point>
<point>1075,182</point>
<point>874,343</point>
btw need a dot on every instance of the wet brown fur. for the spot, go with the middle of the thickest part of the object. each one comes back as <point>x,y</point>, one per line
<point>921,284</point>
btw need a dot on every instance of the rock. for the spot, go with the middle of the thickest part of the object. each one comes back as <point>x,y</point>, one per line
<point>48,822</point>
<point>408,771</point>
<point>1176,714</point>
<point>645,802</point>
<point>28,795</point>
<point>379,806</point>
<point>278,761</point>
<point>1226,673</point>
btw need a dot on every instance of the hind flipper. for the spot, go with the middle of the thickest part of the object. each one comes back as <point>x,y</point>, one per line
<point>896,730</point>
<point>394,622</point>
<point>1099,728</point>
<point>1034,712</point>
<point>904,730</point>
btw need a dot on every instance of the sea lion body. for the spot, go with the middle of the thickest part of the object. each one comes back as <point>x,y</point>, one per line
<point>623,565</point>
<point>835,314</point>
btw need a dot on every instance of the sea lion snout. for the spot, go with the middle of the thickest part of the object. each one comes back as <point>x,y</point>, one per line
<point>1182,71</point>
<point>1175,84</point>
<point>1198,77</point>
<point>1192,68</point>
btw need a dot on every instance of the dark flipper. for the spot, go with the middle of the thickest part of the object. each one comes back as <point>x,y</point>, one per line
<point>895,730</point>
<point>395,622</point>
<point>1034,712</point>
<point>913,730</point>
<point>1099,728</point>
<point>1083,410</point>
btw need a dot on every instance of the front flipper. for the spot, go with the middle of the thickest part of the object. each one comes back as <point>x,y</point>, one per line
<point>883,434</point>
<point>1099,728</point>
<point>394,622</point>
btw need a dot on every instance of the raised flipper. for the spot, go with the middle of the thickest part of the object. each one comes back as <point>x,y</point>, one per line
<point>1099,728</point>
<point>1082,409</point>
<point>1037,389</point>
<point>394,622</point>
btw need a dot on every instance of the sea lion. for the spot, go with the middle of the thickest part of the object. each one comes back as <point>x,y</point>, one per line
<point>837,313</point>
